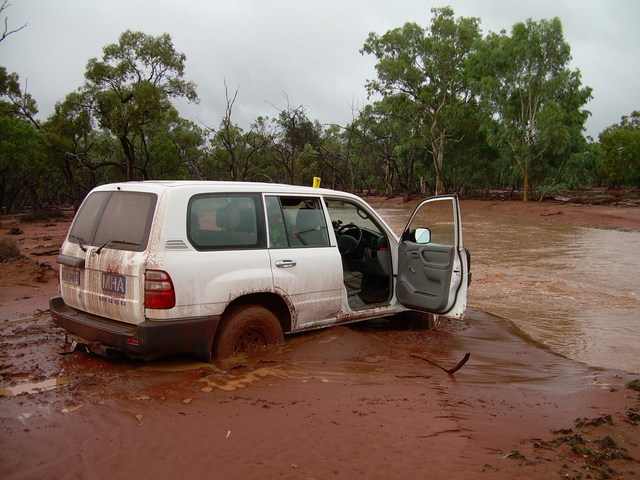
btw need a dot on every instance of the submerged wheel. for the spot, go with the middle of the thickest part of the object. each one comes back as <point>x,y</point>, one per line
<point>424,321</point>
<point>414,320</point>
<point>247,328</point>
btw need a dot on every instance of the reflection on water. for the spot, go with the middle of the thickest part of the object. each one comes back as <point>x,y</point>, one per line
<point>574,289</point>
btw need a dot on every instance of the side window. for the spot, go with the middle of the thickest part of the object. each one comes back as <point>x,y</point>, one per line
<point>434,221</point>
<point>296,222</point>
<point>225,221</point>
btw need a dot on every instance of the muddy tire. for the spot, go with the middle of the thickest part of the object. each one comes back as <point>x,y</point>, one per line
<point>245,329</point>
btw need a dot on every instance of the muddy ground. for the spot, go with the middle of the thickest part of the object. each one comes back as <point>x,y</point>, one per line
<point>344,403</point>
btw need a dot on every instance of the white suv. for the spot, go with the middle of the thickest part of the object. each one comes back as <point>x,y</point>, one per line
<point>213,268</point>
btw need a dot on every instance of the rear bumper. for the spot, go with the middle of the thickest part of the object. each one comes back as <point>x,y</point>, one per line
<point>149,339</point>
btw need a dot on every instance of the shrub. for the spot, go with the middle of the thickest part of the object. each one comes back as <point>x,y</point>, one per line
<point>9,249</point>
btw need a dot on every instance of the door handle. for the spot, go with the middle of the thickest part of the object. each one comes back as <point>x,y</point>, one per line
<point>285,263</point>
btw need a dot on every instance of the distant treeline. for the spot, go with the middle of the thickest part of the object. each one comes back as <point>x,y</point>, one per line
<point>454,111</point>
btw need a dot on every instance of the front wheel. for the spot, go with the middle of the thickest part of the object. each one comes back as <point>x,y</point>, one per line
<point>247,328</point>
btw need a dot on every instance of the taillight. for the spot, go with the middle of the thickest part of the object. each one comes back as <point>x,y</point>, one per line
<point>158,290</point>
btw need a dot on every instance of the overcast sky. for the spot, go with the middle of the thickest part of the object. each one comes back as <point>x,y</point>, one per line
<point>306,50</point>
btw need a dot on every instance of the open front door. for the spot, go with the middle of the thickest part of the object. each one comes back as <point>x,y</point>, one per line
<point>433,266</point>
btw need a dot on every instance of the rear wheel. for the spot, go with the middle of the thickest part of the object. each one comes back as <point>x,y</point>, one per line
<point>247,328</point>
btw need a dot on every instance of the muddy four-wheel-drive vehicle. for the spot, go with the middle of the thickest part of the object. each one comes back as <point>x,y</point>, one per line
<point>212,268</point>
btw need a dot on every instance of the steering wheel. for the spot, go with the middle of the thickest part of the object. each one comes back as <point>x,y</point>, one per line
<point>348,242</point>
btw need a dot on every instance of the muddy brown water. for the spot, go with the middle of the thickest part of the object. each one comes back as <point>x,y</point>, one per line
<point>576,290</point>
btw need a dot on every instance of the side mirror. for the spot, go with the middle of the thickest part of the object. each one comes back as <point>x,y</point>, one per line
<point>422,235</point>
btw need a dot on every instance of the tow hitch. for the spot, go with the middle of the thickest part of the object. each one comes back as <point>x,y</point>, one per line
<point>74,343</point>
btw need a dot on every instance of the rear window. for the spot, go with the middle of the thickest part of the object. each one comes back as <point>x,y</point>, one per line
<point>226,221</point>
<point>118,220</point>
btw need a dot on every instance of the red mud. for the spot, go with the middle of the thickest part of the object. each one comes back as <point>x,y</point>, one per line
<point>344,402</point>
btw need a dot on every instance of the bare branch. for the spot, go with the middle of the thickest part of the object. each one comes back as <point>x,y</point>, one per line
<point>6,31</point>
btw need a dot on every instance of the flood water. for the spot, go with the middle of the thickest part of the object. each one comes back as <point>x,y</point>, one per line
<point>576,290</point>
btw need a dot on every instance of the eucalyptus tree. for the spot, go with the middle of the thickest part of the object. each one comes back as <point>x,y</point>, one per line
<point>425,68</point>
<point>73,147</point>
<point>130,89</point>
<point>536,101</point>
<point>22,155</point>
<point>620,145</point>
<point>172,148</point>
<point>379,138</point>
<point>472,161</point>
<point>337,163</point>
<point>237,151</point>
<point>16,102</point>
<point>295,138</point>
<point>22,163</point>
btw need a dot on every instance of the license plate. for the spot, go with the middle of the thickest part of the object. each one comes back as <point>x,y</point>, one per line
<point>70,275</point>
<point>114,284</point>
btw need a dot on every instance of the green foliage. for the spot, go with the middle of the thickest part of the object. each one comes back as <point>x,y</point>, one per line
<point>129,91</point>
<point>422,75</point>
<point>238,153</point>
<point>22,162</point>
<point>293,132</point>
<point>620,146</point>
<point>634,384</point>
<point>523,81</point>
<point>454,111</point>
<point>15,102</point>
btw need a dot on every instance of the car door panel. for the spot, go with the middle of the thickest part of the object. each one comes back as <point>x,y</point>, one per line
<point>306,268</point>
<point>432,270</point>
<point>426,285</point>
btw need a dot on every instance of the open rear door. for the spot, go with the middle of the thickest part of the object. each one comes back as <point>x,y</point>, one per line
<point>433,266</point>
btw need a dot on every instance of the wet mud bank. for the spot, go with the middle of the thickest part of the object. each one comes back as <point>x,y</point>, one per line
<point>345,402</point>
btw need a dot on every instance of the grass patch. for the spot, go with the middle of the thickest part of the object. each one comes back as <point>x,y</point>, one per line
<point>633,417</point>
<point>594,422</point>
<point>634,384</point>
<point>516,455</point>
<point>576,442</point>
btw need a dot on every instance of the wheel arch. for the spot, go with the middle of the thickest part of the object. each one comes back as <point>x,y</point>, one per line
<point>271,301</point>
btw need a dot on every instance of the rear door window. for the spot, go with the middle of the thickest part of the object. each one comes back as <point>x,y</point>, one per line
<point>117,220</point>
<point>226,221</point>
<point>296,222</point>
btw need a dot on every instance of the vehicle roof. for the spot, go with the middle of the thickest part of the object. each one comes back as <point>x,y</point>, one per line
<point>218,186</point>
